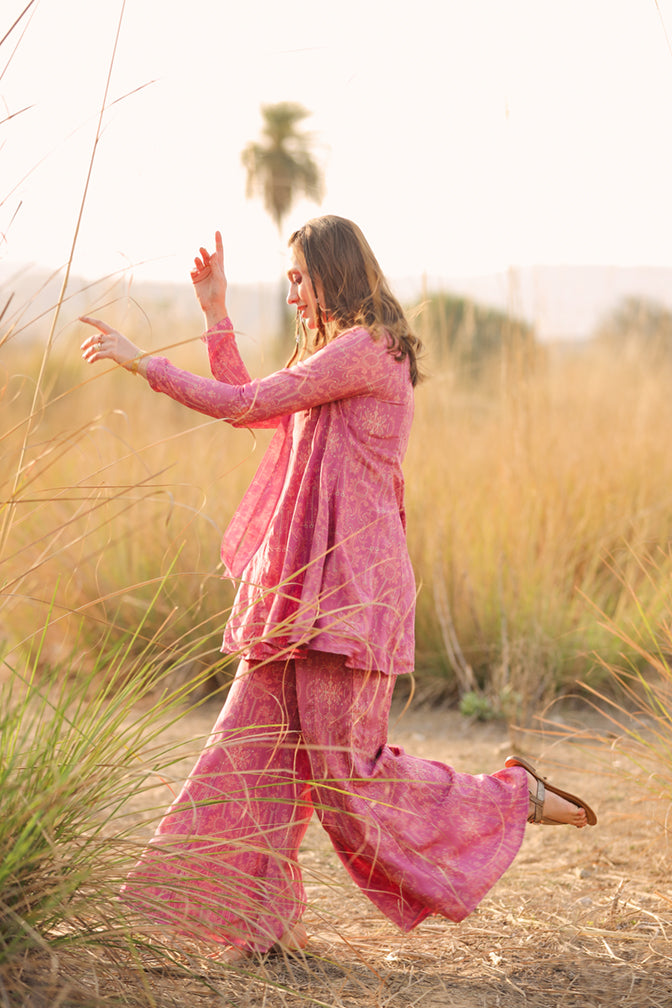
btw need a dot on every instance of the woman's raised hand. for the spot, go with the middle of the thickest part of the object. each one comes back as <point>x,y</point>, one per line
<point>210,283</point>
<point>108,344</point>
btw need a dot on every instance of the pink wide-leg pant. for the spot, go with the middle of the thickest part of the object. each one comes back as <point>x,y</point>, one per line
<point>310,734</point>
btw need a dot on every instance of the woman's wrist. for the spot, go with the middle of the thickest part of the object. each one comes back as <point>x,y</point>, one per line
<point>215,315</point>
<point>138,365</point>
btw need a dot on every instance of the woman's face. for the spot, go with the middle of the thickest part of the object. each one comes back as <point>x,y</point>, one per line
<point>301,292</point>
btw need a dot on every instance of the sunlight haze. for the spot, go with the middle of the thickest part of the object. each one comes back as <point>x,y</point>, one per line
<point>462,137</point>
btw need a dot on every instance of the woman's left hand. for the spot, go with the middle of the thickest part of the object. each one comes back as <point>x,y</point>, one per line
<point>210,284</point>
<point>109,344</point>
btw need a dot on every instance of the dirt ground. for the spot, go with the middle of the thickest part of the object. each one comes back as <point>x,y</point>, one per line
<point>582,918</point>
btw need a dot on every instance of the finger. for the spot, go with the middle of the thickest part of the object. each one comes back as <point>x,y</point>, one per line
<point>200,274</point>
<point>219,246</point>
<point>103,326</point>
<point>91,345</point>
<point>91,354</point>
<point>205,256</point>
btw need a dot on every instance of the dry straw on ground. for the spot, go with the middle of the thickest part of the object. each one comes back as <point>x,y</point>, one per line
<point>582,918</point>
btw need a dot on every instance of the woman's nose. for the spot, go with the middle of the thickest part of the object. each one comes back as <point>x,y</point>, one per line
<point>292,294</point>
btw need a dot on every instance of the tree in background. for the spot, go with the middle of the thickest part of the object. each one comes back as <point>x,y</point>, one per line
<point>639,327</point>
<point>468,334</point>
<point>281,167</point>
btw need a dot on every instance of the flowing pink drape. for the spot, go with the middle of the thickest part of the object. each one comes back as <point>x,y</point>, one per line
<point>310,734</point>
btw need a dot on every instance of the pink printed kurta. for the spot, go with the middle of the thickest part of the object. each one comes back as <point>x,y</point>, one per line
<point>324,615</point>
<point>318,544</point>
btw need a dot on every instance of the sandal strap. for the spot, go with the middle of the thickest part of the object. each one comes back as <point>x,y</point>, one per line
<point>538,802</point>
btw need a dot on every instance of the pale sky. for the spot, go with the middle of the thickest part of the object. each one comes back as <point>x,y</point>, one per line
<point>463,136</point>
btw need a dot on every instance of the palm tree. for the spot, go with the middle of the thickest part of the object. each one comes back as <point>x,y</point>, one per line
<point>281,167</point>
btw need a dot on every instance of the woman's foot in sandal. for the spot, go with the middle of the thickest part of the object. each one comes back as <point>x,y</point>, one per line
<point>549,806</point>
<point>551,809</point>
<point>293,939</point>
<point>233,955</point>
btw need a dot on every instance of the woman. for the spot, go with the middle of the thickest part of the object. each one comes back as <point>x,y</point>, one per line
<point>323,620</point>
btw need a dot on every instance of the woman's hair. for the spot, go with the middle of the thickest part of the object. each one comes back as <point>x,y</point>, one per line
<point>342,266</point>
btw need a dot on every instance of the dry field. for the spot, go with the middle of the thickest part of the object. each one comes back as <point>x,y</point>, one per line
<point>583,918</point>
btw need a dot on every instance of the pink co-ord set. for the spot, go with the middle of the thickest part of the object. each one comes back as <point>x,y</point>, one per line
<point>324,621</point>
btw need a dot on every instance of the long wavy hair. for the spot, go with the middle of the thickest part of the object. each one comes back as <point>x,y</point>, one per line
<point>342,267</point>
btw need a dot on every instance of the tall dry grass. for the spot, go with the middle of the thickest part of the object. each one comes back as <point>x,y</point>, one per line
<point>533,498</point>
<point>624,722</point>
<point>118,491</point>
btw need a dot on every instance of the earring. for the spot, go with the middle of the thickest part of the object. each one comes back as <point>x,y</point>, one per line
<point>299,329</point>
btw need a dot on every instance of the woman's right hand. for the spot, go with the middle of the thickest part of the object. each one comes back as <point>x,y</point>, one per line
<point>109,344</point>
<point>210,283</point>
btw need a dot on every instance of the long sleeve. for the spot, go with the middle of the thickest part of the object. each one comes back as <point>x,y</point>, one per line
<point>353,364</point>
<point>226,363</point>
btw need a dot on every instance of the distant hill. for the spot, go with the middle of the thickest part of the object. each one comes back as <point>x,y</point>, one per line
<point>562,302</point>
<point>566,302</point>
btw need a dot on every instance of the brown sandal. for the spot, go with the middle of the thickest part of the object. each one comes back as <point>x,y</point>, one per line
<point>537,816</point>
